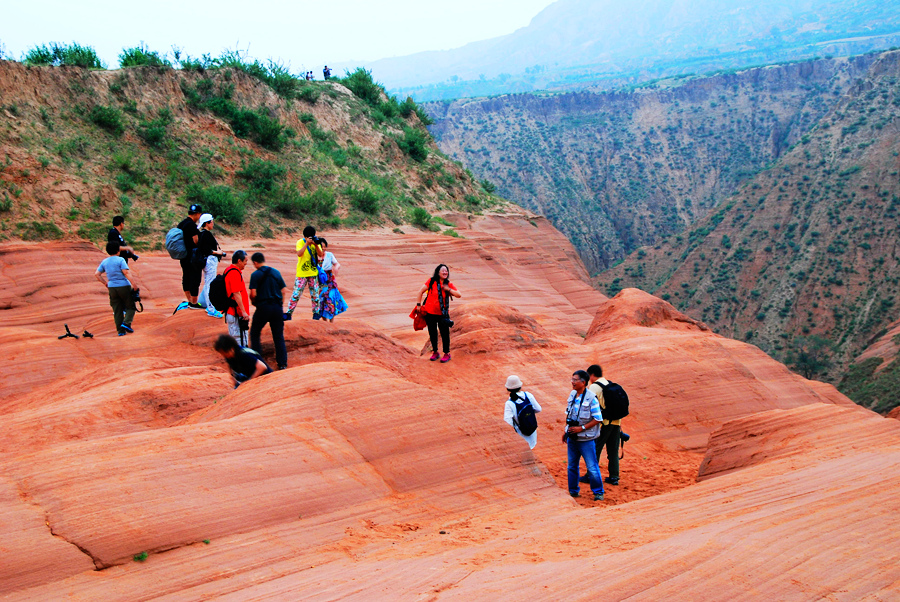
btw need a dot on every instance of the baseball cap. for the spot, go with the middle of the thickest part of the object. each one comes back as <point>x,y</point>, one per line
<point>195,209</point>
<point>206,217</point>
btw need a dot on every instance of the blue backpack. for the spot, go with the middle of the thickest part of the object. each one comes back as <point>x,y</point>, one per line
<point>525,417</point>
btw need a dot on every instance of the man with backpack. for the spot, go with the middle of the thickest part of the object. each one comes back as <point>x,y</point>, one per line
<point>614,405</point>
<point>190,275</point>
<point>237,316</point>
<point>520,410</point>
<point>267,292</point>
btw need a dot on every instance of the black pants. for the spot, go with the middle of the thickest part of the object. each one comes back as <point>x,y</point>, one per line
<point>609,437</point>
<point>121,302</point>
<point>434,323</point>
<point>269,313</point>
<point>190,276</point>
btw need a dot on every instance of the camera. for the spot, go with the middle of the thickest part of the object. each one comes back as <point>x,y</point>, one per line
<point>136,295</point>
<point>572,423</point>
<point>448,322</point>
<point>624,437</point>
<point>316,239</point>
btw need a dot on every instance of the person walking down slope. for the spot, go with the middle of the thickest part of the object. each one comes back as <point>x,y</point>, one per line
<point>208,247</point>
<point>267,291</point>
<point>309,253</point>
<point>516,408</point>
<point>436,309</point>
<point>331,302</point>
<point>119,286</point>
<point>582,427</point>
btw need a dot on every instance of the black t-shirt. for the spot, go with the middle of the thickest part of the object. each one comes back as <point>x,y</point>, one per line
<point>268,287</point>
<point>190,230</point>
<point>207,243</point>
<point>116,236</point>
<point>244,363</point>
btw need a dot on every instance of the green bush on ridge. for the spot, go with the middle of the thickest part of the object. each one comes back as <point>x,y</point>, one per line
<point>141,55</point>
<point>55,54</point>
<point>109,118</point>
<point>220,201</point>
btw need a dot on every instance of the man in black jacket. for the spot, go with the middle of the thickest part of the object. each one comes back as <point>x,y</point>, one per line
<point>267,292</point>
<point>190,276</point>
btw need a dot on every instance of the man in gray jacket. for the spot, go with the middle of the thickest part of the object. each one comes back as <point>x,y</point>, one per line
<point>583,419</point>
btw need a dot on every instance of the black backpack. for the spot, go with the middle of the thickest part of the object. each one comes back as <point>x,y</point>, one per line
<point>616,401</point>
<point>525,417</point>
<point>218,296</point>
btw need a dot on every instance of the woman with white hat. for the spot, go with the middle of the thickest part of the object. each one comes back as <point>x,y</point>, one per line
<point>520,411</point>
<point>208,247</point>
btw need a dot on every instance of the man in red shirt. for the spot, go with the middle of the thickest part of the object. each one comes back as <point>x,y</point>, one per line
<point>238,314</point>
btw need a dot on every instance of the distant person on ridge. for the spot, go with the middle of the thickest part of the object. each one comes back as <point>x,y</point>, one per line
<point>516,411</point>
<point>309,254</point>
<point>246,364</point>
<point>436,309</point>
<point>326,72</point>
<point>190,276</point>
<point>237,316</point>
<point>119,286</point>
<point>267,292</point>
<point>582,427</point>
<point>331,301</point>
<point>115,235</point>
<point>208,247</point>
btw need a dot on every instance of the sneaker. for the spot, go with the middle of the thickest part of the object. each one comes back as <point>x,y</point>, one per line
<point>584,479</point>
<point>182,305</point>
<point>282,367</point>
<point>435,356</point>
<point>195,306</point>
<point>446,358</point>
<point>598,497</point>
<point>575,494</point>
<point>316,316</point>
<point>287,317</point>
<point>212,312</point>
<point>122,334</point>
<point>611,480</point>
<point>127,328</point>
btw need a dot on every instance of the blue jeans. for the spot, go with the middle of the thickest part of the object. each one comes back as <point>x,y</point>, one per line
<point>588,451</point>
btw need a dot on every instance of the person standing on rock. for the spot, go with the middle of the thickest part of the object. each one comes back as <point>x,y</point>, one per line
<point>119,285</point>
<point>609,431</point>
<point>436,309</point>
<point>115,235</point>
<point>237,316</point>
<point>331,302</point>
<point>516,411</point>
<point>208,247</point>
<point>583,419</point>
<point>190,276</point>
<point>267,292</point>
<point>309,254</point>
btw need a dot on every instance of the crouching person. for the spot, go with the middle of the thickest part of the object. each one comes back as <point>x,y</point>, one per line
<point>245,363</point>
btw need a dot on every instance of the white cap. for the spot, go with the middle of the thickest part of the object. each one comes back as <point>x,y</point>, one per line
<point>206,217</point>
<point>513,382</point>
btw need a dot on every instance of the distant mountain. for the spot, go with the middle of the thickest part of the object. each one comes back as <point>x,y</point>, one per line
<point>618,170</point>
<point>580,42</point>
<point>805,256</point>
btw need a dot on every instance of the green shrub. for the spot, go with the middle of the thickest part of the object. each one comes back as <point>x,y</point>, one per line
<point>154,131</point>
<point>74,55</point>
<point>308,93</point>
<point>408,107</point>
<point>421,218</point>
<point>488,186</point>
<point>288,201</point>
<point>220,201</point>
<point>262,176</point>
<point>362,85</point>
<point>414,143</point>
<point>6,203</point>
<point>141,55</point>
<point>307,118</point>
<point>109,118</point>
<point>364,199</point>
<point>35,230</point>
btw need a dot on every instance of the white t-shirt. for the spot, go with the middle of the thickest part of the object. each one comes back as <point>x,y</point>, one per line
<point>328,261</point>
<point>509,414</point>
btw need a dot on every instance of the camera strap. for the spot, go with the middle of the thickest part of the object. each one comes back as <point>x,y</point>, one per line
<point>576,405</point>
<point>444,304</point>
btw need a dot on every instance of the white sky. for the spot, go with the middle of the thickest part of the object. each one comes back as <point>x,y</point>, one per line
<point>304,34</point>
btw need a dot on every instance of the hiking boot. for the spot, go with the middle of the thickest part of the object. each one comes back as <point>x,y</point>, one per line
<point>181,305</point>
<point>611,480</point>
<point>286,317</point>
<point>446,358</point>
<point>584,479</point>
<point>575,494</point>
<point>435,356</point>
<point>127,328</point>
<point>598,497</point>
<point>195,306</point>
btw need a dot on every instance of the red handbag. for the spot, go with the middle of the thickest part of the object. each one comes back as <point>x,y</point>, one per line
<point>418,318</point>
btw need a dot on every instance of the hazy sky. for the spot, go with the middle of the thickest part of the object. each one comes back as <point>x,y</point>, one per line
<point>305,34</point>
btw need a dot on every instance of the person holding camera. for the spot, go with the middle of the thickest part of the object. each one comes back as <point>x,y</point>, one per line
<point>583,419</point>
<point>115,235</point>
<point>309,254</point>
<point>436,309</point>
<point>237,316</point>
<point>245,364</point>
<point>209,253</point>
<point>267,292</point>
<point>118,283</point>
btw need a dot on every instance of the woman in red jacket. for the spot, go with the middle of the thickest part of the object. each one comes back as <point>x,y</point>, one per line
<point>436,309</point>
